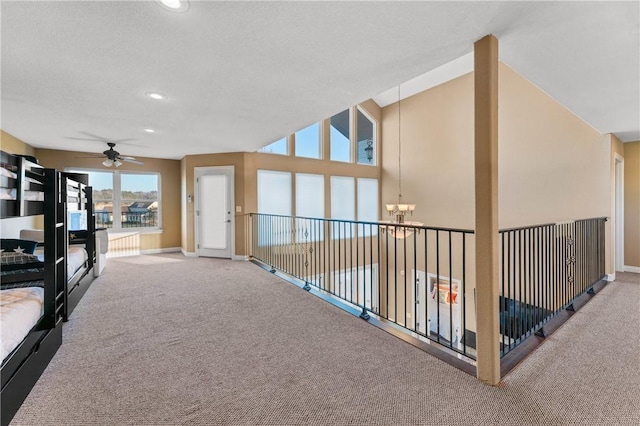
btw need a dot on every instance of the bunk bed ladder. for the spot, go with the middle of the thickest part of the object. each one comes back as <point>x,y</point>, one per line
<point>55,248</point>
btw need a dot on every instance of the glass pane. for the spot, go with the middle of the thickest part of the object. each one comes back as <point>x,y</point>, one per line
<point>342,204</point>
<point>139,200</point>
<point>104,213</point>
<point>139,186</point>
<point>366,140</point>
<point>309,195</point>
<point>309,203</point>
<point>339,137</point>
<point>274,197</point>
<point>308,142</point>
<point>277,147</point>
<point>102,184</point>
<point>368,205</point>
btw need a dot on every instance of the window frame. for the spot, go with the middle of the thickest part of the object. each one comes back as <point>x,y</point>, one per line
<point>117,198</point>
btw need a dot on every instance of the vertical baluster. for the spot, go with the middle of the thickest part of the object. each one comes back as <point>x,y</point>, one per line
<point>437,285</point>
<point>451,336</point>
<point>463,302</point>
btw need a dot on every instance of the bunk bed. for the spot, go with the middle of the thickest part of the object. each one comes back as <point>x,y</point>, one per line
<point>33,289</point>
<point>81,253</point>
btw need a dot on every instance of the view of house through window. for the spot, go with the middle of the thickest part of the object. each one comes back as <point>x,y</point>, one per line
<point>124,200</point>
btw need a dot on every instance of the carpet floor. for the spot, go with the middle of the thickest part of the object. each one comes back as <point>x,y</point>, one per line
<point>169,340</point>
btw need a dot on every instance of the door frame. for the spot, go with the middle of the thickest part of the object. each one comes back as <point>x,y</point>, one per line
<point>196,209</point>
<point>618,257</point>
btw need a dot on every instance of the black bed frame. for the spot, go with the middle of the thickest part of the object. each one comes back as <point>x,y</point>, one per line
<point>78,196</point>
<point>24,366</point>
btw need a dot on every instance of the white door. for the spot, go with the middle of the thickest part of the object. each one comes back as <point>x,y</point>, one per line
<point>214,211</point>
<point>420,303</point>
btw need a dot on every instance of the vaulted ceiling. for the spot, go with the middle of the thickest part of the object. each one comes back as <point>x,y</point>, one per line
<point>238,75</point>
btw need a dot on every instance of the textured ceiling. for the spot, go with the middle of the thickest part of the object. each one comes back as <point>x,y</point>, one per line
<point>239,75</point>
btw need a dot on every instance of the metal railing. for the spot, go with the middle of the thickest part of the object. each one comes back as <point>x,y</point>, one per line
<point>543,269</point>
<point>417,277</point>
<point>148,219</point>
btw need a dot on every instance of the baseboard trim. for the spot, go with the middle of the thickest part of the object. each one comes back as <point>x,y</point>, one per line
<point>188,253</point>
<point>161,250</point>
<point>611,277</point>
<point>240,257</point>
<point>635,269</point>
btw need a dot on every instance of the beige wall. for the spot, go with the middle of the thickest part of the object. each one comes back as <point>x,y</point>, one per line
<point>552,165</point>
<point>10,227</point>
<point>617,152</point>
<point>246,166</point>
<point>632,204</point>
<point>170,190</point>
<point>13,145</point>
<point>209,160</point>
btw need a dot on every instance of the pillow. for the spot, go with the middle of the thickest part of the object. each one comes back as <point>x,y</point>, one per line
<point>32,234</point>
<point>18,246</point>
<point>80,235</point>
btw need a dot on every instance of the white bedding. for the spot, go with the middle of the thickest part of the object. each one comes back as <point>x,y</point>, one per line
<point>20,310</point>
<point>75,260</point>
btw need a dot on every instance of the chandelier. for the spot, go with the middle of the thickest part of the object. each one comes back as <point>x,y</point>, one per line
<point>398,211</point>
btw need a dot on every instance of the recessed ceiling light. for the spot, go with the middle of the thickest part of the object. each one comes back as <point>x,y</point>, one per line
<point>149,130</point>
<point>157,96</point>
<point>174,5</point>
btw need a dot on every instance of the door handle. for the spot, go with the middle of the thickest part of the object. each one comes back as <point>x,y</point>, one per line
<point>228,221</point>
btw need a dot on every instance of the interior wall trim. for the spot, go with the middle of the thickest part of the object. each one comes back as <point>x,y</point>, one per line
<point>635,269</point>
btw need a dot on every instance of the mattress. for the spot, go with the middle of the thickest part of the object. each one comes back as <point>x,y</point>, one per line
<point>20,310</point>
<point>76,257</point>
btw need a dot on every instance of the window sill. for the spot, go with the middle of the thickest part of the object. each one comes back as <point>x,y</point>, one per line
<point>135,230</point>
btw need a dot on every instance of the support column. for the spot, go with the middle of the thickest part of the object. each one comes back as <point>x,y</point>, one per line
<point>486,197</point>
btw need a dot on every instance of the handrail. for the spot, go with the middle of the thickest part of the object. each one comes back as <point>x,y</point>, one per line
<point>379,223</point>
<point>413,276</point>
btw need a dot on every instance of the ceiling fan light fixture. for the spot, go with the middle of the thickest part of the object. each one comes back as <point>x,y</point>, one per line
<point>149,130</point>
<point>174,5</point>
<point>107,163</point>
<point>118,163</point>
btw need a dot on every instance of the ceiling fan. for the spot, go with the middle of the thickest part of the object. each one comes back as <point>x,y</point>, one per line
<point>113,157</point>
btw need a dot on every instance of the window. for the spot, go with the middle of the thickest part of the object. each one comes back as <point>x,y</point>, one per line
<point>139,200</point>
<point>274,197</point>
<point>342,205</point>
<point>277,147</point>
<point>367,205</point>
<point>340,142</point>
<point>308,142</point>
<point>366,139</point>
<point>125,200</point>
<point>309,203</point>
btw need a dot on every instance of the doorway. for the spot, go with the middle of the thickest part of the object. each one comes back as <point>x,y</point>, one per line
<point>213,211</point>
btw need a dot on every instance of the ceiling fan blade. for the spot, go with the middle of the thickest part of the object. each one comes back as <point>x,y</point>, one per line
<point>85,139</point>
<point>97,138</point>
<point>131,160</point>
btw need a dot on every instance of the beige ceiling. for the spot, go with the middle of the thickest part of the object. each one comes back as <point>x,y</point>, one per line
<point>239,75</point>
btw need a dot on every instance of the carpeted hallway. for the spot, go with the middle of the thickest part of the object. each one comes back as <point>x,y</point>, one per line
<point>169,340</point>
